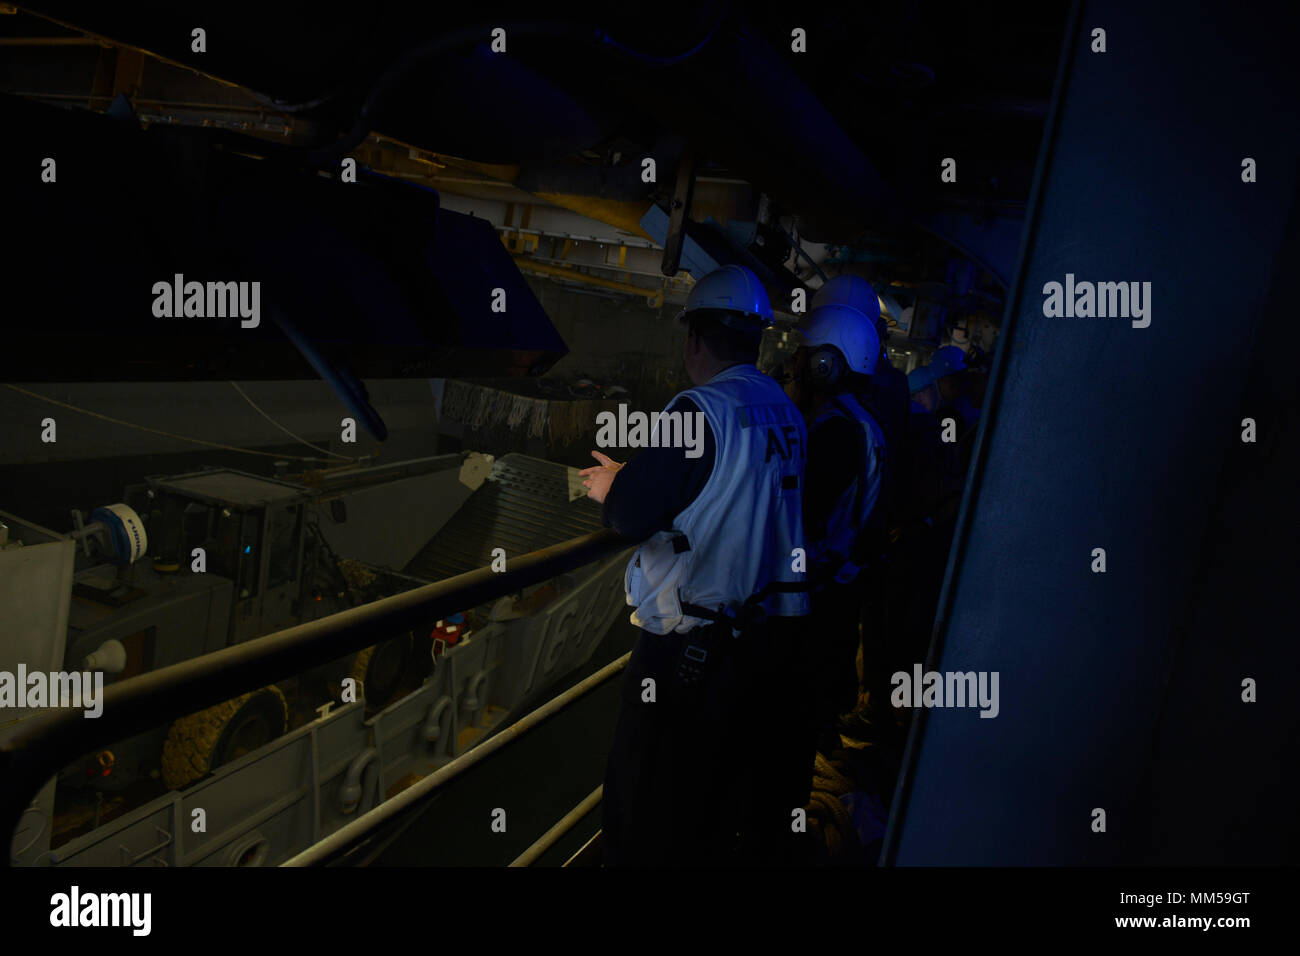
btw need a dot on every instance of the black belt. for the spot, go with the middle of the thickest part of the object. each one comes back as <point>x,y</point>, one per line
<point>748,612</point>
<point>707,643</point>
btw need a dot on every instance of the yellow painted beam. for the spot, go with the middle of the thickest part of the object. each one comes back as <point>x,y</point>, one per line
<point>653,297</point>
<point>621,214</point>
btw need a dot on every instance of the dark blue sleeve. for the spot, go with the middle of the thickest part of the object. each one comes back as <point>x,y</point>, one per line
<point>652,489</point>
<point>834,454</point>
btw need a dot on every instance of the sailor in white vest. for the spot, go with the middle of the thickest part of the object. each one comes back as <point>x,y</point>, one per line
<point>845,473</point>
<point>717,590</point>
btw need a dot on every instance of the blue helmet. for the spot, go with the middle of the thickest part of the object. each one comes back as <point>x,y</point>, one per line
<point>919,378</point>
<point>948,360</point>
<point>732,289</point>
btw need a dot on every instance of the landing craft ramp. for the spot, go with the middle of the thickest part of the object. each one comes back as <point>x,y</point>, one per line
<point>525,504</point>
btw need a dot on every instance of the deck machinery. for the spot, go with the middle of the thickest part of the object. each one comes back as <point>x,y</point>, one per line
<point>188,564</point>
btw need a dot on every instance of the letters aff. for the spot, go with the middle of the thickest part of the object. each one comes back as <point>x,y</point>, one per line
<point>783,441</point>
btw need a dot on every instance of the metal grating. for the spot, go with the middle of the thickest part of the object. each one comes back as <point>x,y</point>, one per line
<point>523,505</point>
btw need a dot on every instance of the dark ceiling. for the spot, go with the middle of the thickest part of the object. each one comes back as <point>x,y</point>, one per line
<point>848,136</point>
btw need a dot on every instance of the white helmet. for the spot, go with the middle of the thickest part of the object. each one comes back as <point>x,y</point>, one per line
<point>853,291</point>
<point>849,331</point>
<point>732,289</point>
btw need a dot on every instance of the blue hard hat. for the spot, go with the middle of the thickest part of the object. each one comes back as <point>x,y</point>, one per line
<point>731,289</point>
<point>947,361</point>
<point>919,378</point>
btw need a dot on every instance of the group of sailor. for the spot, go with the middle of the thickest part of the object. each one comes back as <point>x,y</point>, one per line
<point>811,529</point>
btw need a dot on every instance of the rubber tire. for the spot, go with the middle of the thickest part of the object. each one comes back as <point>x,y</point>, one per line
<point>192,742</point>
<point>377,697</point>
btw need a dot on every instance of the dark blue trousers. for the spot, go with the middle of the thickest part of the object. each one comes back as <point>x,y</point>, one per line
<point>710,774</point>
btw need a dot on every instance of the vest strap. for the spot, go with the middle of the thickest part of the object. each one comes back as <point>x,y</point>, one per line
<point>835,566</point>
<point>839,403</point>
<point>748,613</point>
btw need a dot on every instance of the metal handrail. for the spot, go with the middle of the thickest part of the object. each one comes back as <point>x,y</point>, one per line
<point>585,853</point>
<point>340,840</point>
<point>562,826</point>
<point>49,742</point>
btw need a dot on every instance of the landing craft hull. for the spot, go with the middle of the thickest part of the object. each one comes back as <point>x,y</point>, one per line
<point>271,803</point>
<point>275,802</point>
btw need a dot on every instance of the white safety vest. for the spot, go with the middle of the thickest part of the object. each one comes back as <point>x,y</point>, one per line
<point>739,534</point>
<point>830,555</point>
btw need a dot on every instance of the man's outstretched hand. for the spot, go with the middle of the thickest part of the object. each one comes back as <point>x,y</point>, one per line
<point>598,478</point>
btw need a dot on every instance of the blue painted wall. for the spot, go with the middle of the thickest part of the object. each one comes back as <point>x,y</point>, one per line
<point>1122,690</point>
